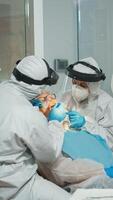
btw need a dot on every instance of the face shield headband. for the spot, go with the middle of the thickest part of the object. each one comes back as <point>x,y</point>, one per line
<point>84,76</point>
<point>50,80</point>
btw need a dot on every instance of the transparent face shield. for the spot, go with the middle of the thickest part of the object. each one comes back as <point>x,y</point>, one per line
<point>65,85</point>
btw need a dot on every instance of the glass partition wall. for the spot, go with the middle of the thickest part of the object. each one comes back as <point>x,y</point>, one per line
<point>15,33</point>
<point>95,34</point>
<point>75,29</point>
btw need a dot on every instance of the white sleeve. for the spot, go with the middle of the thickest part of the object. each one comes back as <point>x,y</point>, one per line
<point>104,126</point>
<point>57,132</point>
<point>44,139</point>
<point>94,128</point>
<point>65,170</point>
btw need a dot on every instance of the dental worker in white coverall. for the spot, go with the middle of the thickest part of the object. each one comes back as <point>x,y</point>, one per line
<point>89,100</point>
<point>26,136</point>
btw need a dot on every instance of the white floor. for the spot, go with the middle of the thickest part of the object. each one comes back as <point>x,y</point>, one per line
<point>93,194</point>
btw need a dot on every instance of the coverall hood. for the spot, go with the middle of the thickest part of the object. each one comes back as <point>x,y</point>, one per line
<point>34,68</point>
<point>93,86</point>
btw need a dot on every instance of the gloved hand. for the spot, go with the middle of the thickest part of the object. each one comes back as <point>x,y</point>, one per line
<point>58,112</point>
<point>76,120</point>
<point>37,103</point>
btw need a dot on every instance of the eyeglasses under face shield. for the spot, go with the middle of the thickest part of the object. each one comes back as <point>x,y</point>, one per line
<point>80,83</point>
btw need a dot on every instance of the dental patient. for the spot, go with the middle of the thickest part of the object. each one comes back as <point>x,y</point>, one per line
<point>83,156</point>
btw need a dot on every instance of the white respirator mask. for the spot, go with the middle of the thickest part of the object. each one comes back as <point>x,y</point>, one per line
<point>79,93</point>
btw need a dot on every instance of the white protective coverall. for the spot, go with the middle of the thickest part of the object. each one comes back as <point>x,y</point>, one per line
<point>26,137</point>
<point>97,108</point>
<point>98,111</point>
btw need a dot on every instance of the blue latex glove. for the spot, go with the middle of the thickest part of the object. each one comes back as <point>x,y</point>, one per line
<point>58,112</point>
<point>37,103</point>
<point>109,171</point>
<point>76,120</point>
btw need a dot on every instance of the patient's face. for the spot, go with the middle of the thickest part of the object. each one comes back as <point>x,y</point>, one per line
<point>49,100</point>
